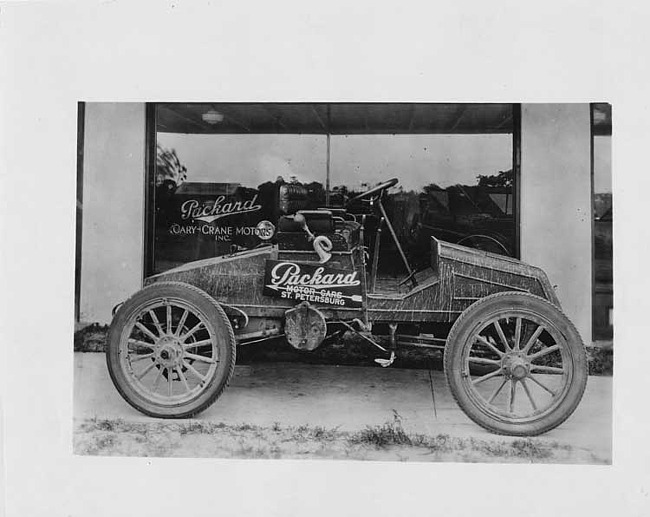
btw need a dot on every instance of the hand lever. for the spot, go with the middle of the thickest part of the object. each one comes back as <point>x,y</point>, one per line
<point>322,245</point>
<point>302,221</point>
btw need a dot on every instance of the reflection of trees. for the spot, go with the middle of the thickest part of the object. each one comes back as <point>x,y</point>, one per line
<point>431,187</point>
<point>169,167</point>
<point>170,173</point>
<point>501,179</point>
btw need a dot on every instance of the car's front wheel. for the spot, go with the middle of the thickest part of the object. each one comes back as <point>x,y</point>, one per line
<point>171,350</point>
<point>515,364</point>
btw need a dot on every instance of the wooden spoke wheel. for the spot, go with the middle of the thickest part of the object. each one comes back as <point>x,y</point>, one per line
<point>515,364</point>
<point>171,350</point>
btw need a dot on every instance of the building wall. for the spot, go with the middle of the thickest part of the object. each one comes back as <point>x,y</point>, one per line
<point>113,207</point>
<point>556,202</point>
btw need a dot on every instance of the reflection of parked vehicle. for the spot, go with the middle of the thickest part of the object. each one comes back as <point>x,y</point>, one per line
<point>477,217</point>
<point>514,362</point>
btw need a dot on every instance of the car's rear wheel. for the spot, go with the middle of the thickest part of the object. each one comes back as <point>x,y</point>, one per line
<point>171,350</point>
<point>533,364</point>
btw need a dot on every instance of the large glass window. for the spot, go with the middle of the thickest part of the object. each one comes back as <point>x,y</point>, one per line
<point>223,170</point>
<point>603,289</point>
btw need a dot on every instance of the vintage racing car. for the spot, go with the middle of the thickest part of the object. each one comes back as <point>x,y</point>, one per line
<point>514,362</point>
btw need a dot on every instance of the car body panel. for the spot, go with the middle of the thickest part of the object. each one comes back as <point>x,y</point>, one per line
<point>458,276</point>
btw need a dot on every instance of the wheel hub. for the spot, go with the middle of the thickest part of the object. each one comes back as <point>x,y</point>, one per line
<point>170,352</point>
<point>515,366</point>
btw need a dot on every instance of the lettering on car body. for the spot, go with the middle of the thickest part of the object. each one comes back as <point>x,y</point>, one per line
<point>312,283</point>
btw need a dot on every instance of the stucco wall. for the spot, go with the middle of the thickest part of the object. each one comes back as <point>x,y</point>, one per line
<point>556,202</point>
<point>113,207</point>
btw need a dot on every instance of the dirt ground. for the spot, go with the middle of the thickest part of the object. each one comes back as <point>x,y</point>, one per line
<point>388,442</point>
<point>287,410</point>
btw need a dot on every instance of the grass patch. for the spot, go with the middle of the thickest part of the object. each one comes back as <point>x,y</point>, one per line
<point>388,441</point>
<point>389,433</point>
<point>600,360</point>
<point>393,434</point>
<point>91,338</point>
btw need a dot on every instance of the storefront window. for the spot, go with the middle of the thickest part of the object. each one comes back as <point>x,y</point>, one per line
<point>603,295</point>
<point>225,173</point>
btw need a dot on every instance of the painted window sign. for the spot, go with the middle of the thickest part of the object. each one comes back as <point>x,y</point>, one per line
<point>196,220</point>
<point>317,284</point>
<point>220,207</point>
<point>219,217</point>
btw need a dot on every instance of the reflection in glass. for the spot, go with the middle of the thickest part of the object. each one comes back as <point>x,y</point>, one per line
<point>214,187</point>
<point>457,188</point>
<point>212,191</point>
<point>603,250</point>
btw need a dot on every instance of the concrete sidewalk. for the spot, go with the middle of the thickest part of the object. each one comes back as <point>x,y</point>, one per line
<point>345,397</point>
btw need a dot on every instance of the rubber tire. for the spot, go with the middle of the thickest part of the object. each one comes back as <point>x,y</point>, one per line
<point>472,319</point>
<point>215,318</point>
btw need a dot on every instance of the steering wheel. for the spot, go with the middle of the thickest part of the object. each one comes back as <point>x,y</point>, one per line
<point>374,191</point>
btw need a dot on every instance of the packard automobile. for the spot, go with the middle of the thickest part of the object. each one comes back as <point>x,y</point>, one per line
<point>514,362</point>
